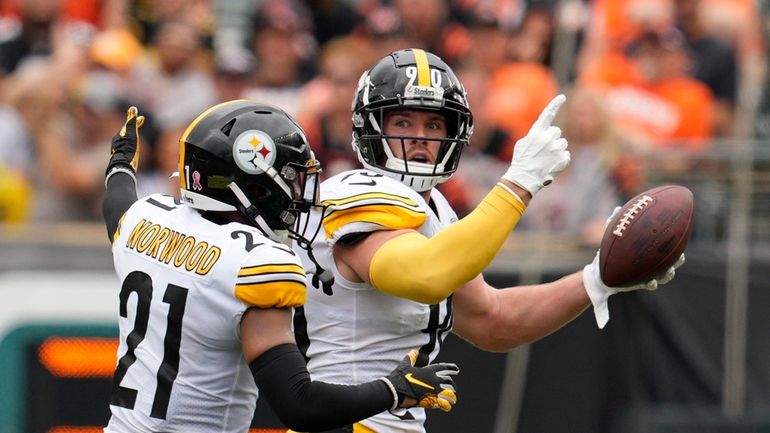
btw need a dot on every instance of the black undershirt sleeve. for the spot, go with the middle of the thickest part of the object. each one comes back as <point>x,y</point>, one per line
<point>304,405</point>
<point>353,238</point>
<point>120,195</point>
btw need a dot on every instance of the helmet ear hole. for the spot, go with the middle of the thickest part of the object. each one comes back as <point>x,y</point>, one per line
<point>228,127</point>
<point>259,192</point>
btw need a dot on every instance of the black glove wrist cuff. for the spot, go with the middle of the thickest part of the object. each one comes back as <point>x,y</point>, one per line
<point>396,397</point>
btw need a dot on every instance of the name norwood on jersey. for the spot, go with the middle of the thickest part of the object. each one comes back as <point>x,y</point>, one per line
<point>173,247</point>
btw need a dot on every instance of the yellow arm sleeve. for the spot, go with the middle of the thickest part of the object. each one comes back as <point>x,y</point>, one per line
<point>430,269</point>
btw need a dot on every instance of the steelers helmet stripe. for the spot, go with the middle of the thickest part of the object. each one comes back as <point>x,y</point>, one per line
<point>182,174</point>
<point>423,71</point>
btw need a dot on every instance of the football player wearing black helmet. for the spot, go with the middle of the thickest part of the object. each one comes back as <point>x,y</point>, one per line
<point>207,286</point>
<point>407,272</point>
<point>253,159</point>
<point>410,80</point>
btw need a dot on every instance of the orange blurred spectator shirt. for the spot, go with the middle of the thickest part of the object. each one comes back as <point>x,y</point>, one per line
<point>673,111</point>
<point>516,94</point>
<point>69,10</point>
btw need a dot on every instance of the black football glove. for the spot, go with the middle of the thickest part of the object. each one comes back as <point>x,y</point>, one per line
<point>432,386</point>
<point>125,146</point>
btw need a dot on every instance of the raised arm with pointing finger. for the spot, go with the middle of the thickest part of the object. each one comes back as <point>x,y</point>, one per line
<point>457,253</point>
<point>406,271</point>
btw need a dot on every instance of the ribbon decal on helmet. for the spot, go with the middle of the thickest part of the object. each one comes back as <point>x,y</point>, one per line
<point>196,178</point>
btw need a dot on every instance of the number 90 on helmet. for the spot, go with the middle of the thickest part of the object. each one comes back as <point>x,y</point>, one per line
<point>410,79</point>
<point>251,158</point>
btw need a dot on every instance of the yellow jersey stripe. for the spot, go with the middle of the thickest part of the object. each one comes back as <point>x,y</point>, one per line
<point>271,294</point>
<point>271,269</point>
<point>360,428</point>
<point>423,71</point>
<point>389,217</point>
<point>182,177</point>
<point>369,196</point>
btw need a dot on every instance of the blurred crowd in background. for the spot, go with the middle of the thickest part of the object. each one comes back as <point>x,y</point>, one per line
<point>642,76</point>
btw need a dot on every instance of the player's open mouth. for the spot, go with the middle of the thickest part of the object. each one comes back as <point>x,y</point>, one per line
<point>420,157</point>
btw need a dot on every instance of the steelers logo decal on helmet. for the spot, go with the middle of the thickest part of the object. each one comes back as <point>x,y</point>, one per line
<point>254,151</point>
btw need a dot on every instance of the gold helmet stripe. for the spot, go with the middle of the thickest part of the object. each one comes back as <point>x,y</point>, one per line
<point>423,71</point>
<point>182,174</point>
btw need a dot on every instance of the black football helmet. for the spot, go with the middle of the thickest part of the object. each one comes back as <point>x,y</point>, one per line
<point>410,79</point>
<point>252,158</point>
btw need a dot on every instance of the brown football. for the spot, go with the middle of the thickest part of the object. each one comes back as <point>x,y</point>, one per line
<point>647,236</point>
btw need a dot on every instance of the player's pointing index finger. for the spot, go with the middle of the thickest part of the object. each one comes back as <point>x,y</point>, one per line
<point>548,114</point>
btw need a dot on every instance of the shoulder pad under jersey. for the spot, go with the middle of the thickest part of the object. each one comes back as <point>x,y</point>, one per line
<point>363,201</point>
<point>271,275</point>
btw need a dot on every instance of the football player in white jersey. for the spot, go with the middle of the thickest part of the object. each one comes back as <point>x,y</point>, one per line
<point>208,283</point>
<point>405,271</point>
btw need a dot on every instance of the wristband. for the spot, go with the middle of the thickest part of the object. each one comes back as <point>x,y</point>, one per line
<point>119,169</point>
<point>393,391</point>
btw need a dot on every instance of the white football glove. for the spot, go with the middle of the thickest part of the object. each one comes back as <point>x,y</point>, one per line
<point>599,292</point>
<point>540,155</point>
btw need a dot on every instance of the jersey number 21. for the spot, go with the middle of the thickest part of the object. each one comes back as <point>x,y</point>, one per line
<point>176,297</point>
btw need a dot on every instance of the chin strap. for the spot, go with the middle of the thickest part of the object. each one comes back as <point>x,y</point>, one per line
<point>253,214</point>
<point>322,278</point>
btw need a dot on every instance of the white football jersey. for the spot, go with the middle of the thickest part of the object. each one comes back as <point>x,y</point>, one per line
<point>359,333</point>
<point>185,282</point>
